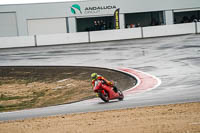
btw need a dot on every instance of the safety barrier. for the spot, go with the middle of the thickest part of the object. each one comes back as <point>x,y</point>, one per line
<point>109,35</point>
<point>98,36</point>
<point>168,30</point>
<point>14,42</point>
<point>56,39</point>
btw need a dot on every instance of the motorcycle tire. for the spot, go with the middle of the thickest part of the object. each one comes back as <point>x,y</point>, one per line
<point>121,95</point>
<point>105,98</point>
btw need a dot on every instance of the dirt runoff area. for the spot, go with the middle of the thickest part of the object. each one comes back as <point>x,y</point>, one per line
<point>32,87</point>
<point>177,118</point>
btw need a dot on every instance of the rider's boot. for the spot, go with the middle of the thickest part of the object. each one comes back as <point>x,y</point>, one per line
<point>115,89</point>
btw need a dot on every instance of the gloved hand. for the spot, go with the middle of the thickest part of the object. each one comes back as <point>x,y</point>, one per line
<point>103,82</point>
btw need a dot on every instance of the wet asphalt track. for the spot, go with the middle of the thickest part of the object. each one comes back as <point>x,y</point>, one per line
<point>175,60</point>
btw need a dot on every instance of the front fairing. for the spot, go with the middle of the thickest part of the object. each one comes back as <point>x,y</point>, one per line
<point>97,85</point>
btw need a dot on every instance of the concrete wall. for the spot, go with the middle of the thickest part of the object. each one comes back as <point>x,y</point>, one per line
<point>109,35</point>
<point>166,30</point>
<point>62,39</point>
<point>12,42</point>
<point>98,36</point>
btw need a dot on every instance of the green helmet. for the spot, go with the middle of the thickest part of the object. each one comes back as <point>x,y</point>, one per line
<point>94,76</point>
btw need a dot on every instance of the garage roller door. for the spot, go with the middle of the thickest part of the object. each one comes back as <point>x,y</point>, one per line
<point>8,24</point>
<point>47,26</point>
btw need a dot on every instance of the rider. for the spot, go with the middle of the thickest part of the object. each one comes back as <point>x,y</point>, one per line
<point>95,76</point>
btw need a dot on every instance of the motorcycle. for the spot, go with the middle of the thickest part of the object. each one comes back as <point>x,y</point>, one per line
<point>106,92</point>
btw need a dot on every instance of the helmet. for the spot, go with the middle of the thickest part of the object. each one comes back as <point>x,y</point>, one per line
<point>94,76</point>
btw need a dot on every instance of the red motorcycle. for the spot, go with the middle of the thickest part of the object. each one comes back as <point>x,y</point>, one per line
<point>106,92</point>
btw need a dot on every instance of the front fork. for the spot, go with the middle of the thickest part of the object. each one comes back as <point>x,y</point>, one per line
<point>102,91</point>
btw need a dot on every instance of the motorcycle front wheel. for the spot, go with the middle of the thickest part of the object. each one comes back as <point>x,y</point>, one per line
<point>105,97</point>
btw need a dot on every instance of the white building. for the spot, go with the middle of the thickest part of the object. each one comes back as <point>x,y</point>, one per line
<point>69,17</point>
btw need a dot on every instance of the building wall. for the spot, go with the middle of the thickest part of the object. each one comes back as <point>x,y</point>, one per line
<point>26,12</point>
